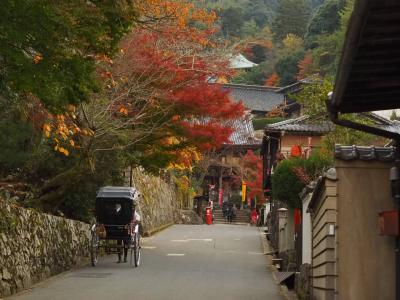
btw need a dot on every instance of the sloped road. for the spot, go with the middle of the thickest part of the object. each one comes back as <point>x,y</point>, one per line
<point>183,262</point>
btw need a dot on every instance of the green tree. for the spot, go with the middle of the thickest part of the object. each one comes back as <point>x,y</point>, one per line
<point>287,67</point>
<point>259,12</point>
<point>48,48</point>
<point>256,75</point>
<point>292,175</point>
<point>231,21</point>
<point>292,16</point>
<point>316,3</point>
<point>329,49</point>
<point>260,53</point>
<point>325,21</point>
<point>313,98</point>
<point>250,28</point>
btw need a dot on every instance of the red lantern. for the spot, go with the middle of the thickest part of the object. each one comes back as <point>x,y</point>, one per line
<point>295,151</point>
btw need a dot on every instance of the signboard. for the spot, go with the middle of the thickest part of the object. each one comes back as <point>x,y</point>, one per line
<point>220,194</point>
<point>244,191</point>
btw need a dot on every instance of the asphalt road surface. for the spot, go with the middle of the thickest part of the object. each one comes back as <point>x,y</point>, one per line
<point>183,262</point>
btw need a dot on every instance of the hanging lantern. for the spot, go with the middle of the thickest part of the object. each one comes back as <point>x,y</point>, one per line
<point>295,151</point>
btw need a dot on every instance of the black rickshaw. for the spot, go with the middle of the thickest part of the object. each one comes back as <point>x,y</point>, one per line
<point>116,226</point>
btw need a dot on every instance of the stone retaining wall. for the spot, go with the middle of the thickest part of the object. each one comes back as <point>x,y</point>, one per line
<point>158,205</point>
<point>34,246</point>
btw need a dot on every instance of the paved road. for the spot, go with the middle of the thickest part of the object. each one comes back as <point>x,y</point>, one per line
<point>183,262</point>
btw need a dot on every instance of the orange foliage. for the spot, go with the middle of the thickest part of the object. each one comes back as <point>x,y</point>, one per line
<point>177,60</point>
<point>61,129</point>
<point>177,13</point>
<point>173,64</point>
<point>167,60</point>
<point>272,80</point>
<point>305,66</point>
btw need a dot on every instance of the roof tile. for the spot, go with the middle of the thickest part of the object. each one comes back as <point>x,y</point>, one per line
<point>255,98</point>
<point>301,124</point>
<point>385,154</point>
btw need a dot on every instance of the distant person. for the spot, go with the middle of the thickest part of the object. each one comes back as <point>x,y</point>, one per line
<point>225,209</point>
<point>136,221</point>
<point>234,209</point>
<point>210,204</point>
<point>254,216</point>
<point>230,213</point>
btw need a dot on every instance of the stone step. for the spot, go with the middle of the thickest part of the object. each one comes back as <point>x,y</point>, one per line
<point>235,219</point>
<point>238,214</point>
<point>233,223</point>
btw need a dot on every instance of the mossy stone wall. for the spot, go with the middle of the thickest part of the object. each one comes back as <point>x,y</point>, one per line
<point>34,246</point>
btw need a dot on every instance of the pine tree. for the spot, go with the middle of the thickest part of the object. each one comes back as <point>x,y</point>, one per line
<point>292,16</point>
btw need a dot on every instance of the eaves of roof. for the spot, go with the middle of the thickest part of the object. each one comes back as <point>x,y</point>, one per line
<point>369,153</point>
<point>241,62</point>
<point>301,124</point>
<point>243,132</point>
<point>367,78</point>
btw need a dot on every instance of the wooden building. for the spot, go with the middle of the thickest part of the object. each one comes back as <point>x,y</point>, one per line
<point>368,79</point>
<point>350,259</point>
<point>225,166</point>
<point>323,211</point>
<point>259,100</point>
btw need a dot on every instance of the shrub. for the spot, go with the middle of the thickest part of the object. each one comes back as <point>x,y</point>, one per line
<point>291,176</point>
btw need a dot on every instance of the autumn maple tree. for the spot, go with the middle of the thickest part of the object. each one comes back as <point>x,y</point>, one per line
<point>252,175</point>
<point>155,88</point>
<point>305,66</point>
<point>157,92</point>
<point>143,96</point>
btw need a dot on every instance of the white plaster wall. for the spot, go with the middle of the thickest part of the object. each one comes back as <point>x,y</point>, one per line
<point>306,228</point>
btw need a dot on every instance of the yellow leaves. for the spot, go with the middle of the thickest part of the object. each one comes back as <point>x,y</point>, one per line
<point>178,13</point>
<point>292,42</point>
<point>37,58</point>
<point>71,108</point>
<point>123,110</point>
<point>185,159</point>
<point>63,151</point>
<point>46,130</point>
<point>62,129</point>
<point>104,58</point>
<point>87,132</point>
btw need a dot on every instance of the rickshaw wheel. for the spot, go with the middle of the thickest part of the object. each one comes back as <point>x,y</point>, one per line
<point>94,249</point>
<point>136,250</point>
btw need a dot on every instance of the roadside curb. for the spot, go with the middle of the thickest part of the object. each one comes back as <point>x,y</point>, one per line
<point>288,295</point>
<point>158,229</point>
